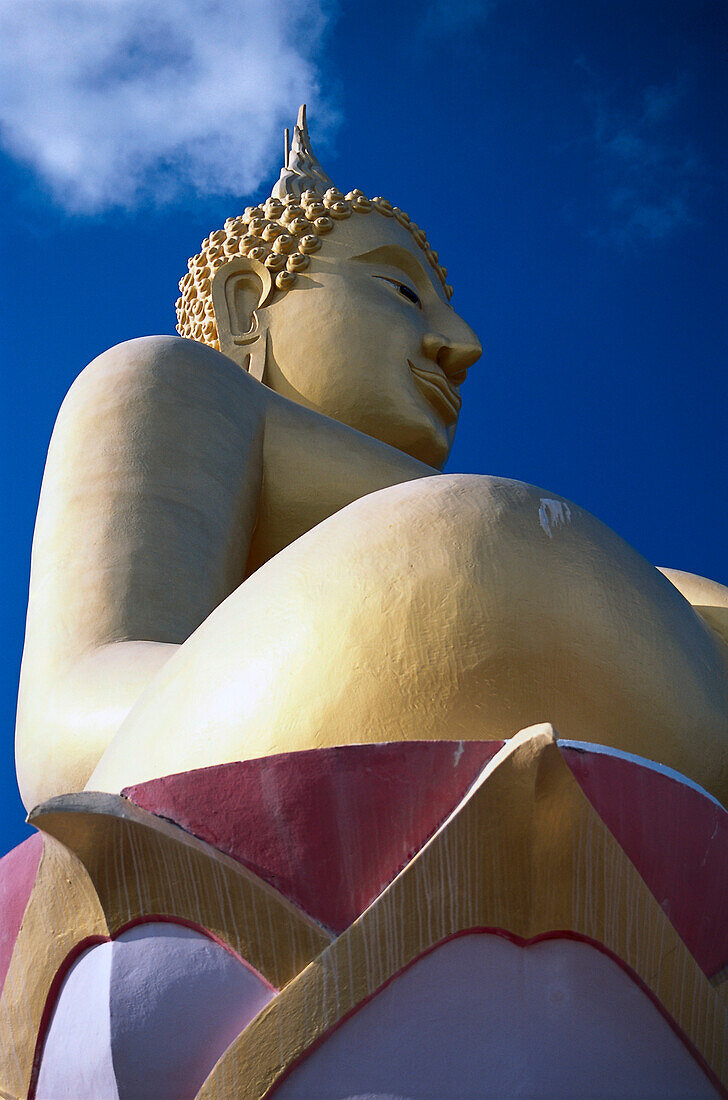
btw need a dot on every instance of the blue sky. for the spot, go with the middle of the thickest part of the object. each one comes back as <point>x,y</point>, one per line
<point>565,158</point>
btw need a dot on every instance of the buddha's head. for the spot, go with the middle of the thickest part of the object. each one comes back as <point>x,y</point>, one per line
<point>338,303</point>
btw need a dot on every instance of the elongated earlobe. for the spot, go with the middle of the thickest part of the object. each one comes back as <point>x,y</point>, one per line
<point>239,289</point>
<point>258,355</point>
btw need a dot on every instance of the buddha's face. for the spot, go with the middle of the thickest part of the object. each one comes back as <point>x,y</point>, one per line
<point>367,337</point>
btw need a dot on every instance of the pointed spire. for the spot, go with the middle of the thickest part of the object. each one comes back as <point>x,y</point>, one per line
<point>302,172</point>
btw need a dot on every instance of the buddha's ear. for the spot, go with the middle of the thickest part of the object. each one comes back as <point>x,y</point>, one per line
<point>239,289</point>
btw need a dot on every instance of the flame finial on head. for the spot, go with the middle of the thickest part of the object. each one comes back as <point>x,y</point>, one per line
<point>282,233</point>
<point>303,171</point>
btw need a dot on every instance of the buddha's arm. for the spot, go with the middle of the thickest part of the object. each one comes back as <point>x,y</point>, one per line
<point>147,508</point>
<point>314,467</point>
<point>165,459</point>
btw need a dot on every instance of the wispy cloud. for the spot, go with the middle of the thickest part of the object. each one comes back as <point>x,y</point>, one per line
<point>439,17</point>
<point>111,101</point>
<point>652,180</point>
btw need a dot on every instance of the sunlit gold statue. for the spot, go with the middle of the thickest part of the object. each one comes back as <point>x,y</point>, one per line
<point>243,544</point>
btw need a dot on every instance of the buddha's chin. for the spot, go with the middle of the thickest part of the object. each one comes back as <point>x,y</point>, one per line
<point>418,431</point>
<point>430,442</point>
<point>432,452</point>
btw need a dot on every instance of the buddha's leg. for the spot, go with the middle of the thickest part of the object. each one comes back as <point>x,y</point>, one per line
<point>458,607</point>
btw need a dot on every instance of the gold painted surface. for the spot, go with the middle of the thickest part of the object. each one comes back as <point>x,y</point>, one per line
<point>224,569</point>
<point>525,852</point>
<point>280,235</point>
<point>63,910</point>
<point>487,624</point>
<point>709,599</point>
<point>140,864</point>
<point>106,863</point>
<point>219,564</point>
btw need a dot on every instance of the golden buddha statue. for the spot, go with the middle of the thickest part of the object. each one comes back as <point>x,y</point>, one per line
<point>244,545</point>
<point>259,618</point>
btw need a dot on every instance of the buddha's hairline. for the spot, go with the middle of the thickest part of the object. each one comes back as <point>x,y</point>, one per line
<point>283,235</point>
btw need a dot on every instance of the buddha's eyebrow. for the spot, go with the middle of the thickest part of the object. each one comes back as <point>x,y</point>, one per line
<point>395,256</point>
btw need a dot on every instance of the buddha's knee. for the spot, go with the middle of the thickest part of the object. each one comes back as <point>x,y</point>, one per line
<point>468,606</point>
<point>456,607</point>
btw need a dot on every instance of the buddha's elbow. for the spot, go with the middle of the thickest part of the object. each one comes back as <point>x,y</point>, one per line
<point>68,714</point>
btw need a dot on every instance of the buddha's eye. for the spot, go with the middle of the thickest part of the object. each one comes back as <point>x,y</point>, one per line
<point>408,293</point>
<point>403,289</point>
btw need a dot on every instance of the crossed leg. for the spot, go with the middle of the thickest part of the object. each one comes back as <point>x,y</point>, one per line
<point>456,607</point>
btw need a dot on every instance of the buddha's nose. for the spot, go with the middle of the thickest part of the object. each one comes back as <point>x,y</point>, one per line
<point>454,354</point>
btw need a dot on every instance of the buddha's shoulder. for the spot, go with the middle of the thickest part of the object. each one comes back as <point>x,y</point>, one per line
<point>162,367</point>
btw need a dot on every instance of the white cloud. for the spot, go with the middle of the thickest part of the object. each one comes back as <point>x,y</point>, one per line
<point>114,100</point>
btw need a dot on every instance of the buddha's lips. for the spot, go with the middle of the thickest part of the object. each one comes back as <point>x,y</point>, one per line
<point>438,390</point>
